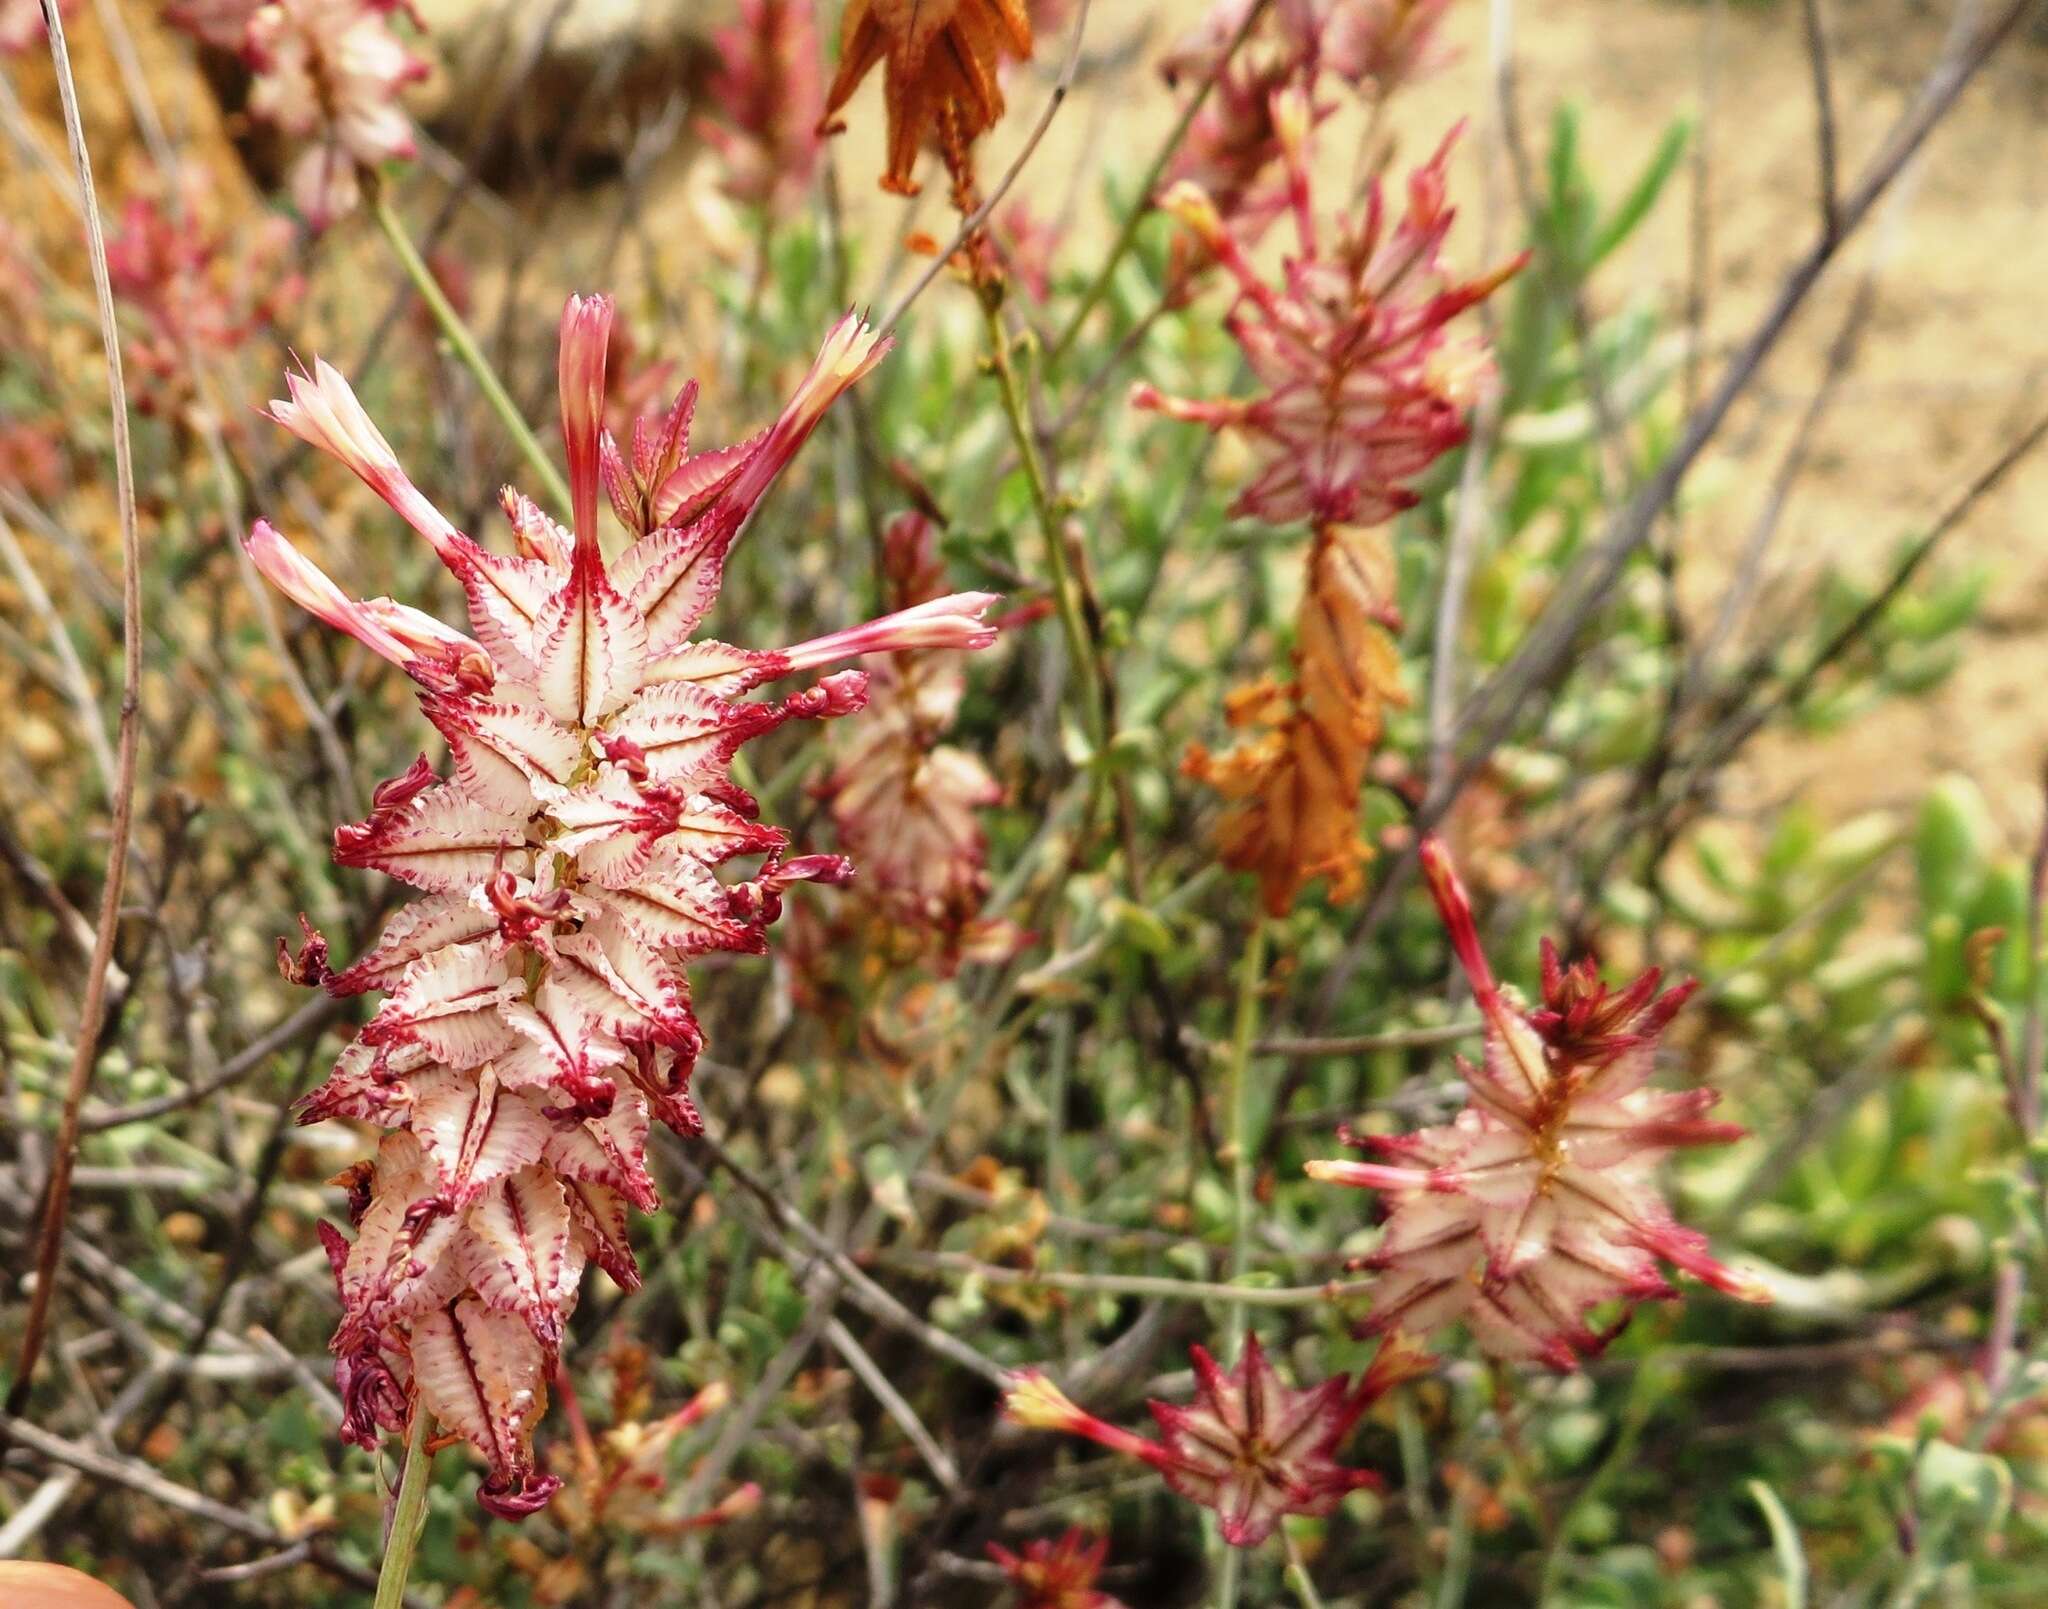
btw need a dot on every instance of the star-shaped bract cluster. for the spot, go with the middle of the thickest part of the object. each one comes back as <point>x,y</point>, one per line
<point>1249,1446</point>
<point>1539,1201</point>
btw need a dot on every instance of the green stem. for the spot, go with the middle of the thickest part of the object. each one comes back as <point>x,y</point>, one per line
<point>1228,1570</point>
<point>1066,592</point>
<point>466,348</point>
<point>1250,977</point>
<point>1297,1574</point>
<point>406,1518</point>
<point>1127,236</point>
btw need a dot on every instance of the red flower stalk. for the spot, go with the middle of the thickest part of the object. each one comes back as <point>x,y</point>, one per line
<point>769,101</point>
<point>1540,1201</point>
<point>1248,1447</point>
<point>1056,1574</point>
<point>330,72</point>
<point>536,1016</point>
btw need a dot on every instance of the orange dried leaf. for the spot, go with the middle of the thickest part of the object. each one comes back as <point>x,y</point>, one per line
<point>939,78</point>
<point>1294,783</point>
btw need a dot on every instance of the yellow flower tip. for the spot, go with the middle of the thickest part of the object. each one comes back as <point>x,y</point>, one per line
<point>1292,118</point>
<point>1190,205</point>
<point>1034,1402</point>
<point>1400,1357</point>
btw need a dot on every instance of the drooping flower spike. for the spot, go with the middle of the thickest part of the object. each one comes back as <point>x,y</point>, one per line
<point>1361,390</point>
<point>1540,1200</point>
<point>1060,1574</point>
<point>907,805</point>
<point>536,1016</point>
<point>1248,1447</point>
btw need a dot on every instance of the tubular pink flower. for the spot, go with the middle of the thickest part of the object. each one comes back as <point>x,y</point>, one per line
<point>1539,1202</point>
<point>308,586</point>
<point>851,349</point>
<point>322,411</point>
<point>536,1017</point>
<point>693,507</point>
<point>953,622</point>
<point>586,338</point>
<point>1248,1447</point>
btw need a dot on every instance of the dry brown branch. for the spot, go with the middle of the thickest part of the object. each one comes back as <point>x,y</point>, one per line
<point>85,1052</point>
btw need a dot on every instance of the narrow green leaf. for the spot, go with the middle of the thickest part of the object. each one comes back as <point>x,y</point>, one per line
<point>1649,185</point>
<point>1784,1543</point>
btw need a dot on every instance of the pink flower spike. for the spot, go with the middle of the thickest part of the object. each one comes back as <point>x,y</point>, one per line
<point>323,412</point>
<point>586,338</point>
<point>537,1016</point>
<point>1539,1202</point>
<point>950,622</point>
<point>308,586</point>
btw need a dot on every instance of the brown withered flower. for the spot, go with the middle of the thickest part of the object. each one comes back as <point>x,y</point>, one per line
<point>939,77</point>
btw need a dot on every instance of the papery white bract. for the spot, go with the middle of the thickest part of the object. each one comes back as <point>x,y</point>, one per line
<point>536,1016</point>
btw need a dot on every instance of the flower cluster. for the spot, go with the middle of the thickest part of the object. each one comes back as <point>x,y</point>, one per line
<point>1248,1447</point>
<point>1361,389</point>
<point>1056,1574</point>
<point>939,79</point>
<point>202,292</point>
<point>904,804</point>
<point>1540,1201</point>
<point>536,1017</point>
<point>329,72</point>
<point>769,101</point>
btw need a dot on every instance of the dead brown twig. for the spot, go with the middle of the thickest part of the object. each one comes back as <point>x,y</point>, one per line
<point>50,1241</point>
